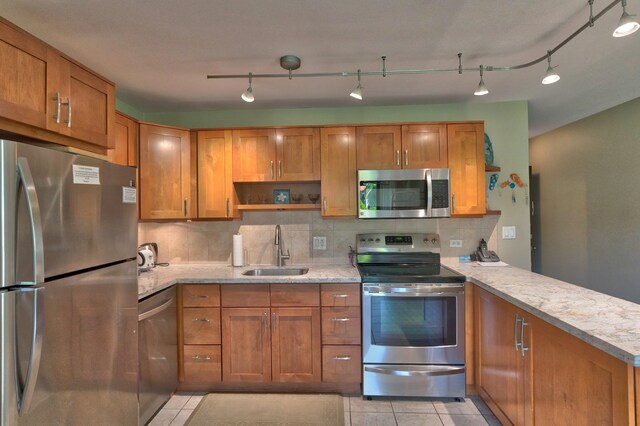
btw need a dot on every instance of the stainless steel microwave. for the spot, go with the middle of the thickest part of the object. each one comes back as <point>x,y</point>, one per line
<point>411,193</point>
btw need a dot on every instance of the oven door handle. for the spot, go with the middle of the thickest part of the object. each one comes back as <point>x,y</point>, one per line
<point>441,371</point>
<point>408,292</point>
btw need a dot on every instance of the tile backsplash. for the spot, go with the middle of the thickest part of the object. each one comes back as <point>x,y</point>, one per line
<point>198,241</point>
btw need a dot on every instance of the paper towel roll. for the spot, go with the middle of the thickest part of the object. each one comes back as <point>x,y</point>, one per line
<point>238,258</point>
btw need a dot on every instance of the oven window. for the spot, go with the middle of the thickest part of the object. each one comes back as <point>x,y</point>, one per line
<point>393,195</point>
<point>413,321</point>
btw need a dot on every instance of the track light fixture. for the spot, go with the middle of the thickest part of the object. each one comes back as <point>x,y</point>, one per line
<point>628,24</point>
<point>551,76</point>
<point>357,92</point>
<point>247,96</point>
<point>482,88</point>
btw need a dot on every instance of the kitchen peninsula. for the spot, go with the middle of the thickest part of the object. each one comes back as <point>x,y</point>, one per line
<point>585,343</point>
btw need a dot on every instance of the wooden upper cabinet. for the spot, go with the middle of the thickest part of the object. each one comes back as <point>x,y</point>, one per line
<point>125,150</point>
<point>338,164</point>
<point>23,77</point>
<point>379,147</point>
<point>466,167</point>
<point>424,146</point>
<point>42,88</point>
<point>298,154</point>
<point>254,155</point>
<point>216,195</point>
<point>165,173</point>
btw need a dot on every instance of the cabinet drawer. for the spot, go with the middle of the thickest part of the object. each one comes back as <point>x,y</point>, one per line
<point>202,363</point>
<point>341,364</point>
<point>201,326</point>
<point>341,294</point>
<point>244,295</point>
<point>295,295</point>
<point>341,326</point>
<point>200,295</point>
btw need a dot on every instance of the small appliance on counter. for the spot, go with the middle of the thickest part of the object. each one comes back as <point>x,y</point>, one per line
<point>147,256</point>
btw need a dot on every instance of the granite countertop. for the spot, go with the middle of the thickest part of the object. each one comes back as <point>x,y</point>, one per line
<point>160,277</point>
<point>606,322</point>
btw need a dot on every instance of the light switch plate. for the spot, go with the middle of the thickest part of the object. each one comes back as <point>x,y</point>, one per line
<point>319,243</point>
<point>455,243</point>
<point>508,232</point>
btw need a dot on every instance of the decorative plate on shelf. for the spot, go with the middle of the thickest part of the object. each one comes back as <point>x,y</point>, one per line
<point>281,196</point>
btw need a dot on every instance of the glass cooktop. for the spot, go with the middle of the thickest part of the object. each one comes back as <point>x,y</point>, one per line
<point>408,273</point>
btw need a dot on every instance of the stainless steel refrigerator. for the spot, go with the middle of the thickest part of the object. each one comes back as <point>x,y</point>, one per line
<point>68,294</point>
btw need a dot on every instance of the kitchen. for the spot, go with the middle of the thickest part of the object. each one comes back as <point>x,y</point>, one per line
<point>198,241</point>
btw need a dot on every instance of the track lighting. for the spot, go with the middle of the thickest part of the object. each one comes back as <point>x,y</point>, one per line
<point>551,76</point>
<point>482,88</point>
<point>247,96</point>
<point>628,24</point>
<point>357,92</point>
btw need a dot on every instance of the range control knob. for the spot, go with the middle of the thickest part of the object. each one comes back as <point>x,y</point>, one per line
<point>434,241</point>
<point>362,240</point>
<point>377,240</point>
<point>370,239</point>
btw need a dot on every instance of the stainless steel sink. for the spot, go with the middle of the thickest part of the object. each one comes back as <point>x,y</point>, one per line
<point>276,271</point>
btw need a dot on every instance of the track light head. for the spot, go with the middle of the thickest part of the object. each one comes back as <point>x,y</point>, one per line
<point>247,95</point>
<point>357,92</point>
<point>628,24</point>
<point>551,76</point>
<point>482,88</point>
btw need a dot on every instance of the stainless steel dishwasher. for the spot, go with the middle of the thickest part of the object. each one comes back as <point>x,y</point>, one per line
<point>158,352</point>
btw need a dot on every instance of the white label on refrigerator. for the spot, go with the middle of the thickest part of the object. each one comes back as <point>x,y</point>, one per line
<point>128,195</point>
<point>86,175</point>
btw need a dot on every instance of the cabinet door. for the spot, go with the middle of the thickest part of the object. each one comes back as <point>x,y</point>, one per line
<point>254,155</point>
<point>338,164</point>
<point>575,383</point>
<point>295,345</point>
<point>379,147</point>
<point>165,181</point>
<point>501,366</point>
<point>91,109</point>
<point>424,146</point>
<point>215,189</point>
<point>298,154</point>
<point>125,151</point>
<point>23,77</point>
<point>246,349</point>
<point>466,165</point>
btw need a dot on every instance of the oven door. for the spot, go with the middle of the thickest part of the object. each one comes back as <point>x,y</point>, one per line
<point>413,324</point>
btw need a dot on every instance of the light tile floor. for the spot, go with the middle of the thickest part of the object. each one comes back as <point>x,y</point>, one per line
<point>361,412</point>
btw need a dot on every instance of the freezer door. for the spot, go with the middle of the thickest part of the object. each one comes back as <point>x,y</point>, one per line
<point>88,369</point>
<point>86,212</point>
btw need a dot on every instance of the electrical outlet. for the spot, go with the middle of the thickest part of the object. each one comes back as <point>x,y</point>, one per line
<point>455,243</point>
<point>319,243</point>
<point>508,232</point>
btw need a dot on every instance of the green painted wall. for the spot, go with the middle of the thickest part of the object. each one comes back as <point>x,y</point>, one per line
<point>506,123</point>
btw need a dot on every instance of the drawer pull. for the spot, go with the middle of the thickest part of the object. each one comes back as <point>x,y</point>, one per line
<point>340,319</point>
<point>199,296</point>
<point>340,296</point>
<point>201,358</point>
<point>342,358</point>
<point>201,320</point>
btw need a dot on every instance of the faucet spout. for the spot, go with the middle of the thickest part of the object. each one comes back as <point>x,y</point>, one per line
<point>277,241</point>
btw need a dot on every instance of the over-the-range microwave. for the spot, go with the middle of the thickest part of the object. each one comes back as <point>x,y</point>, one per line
<point>411,193</point>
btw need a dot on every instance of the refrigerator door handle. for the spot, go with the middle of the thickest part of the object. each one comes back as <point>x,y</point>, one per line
<point>24,173</point>
<point>25,394</point>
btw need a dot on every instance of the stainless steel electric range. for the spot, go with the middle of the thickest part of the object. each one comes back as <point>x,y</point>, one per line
<point>412,317</point>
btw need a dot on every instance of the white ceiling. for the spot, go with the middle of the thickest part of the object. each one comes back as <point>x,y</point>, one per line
<point>158,52</point>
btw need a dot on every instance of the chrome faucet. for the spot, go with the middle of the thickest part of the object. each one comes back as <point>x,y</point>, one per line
<point>281,256</point>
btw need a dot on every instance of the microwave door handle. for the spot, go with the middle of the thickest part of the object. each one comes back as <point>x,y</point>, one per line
<point>429,192</point>
<point>24,174</point>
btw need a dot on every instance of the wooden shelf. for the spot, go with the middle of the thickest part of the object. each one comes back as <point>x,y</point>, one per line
<point>263,207</point>
<point>488,168</point>
<point>493,212</point>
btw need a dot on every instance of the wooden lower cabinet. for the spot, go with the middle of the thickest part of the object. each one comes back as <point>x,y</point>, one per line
<point>201,326</point>
<point>559,380</point>
<point>202,363</point>
<point>341,364</point>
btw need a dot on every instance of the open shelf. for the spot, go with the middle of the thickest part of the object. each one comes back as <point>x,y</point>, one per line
<point>488,168</point>
<point>265,207</point>
<point>493,212</point>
